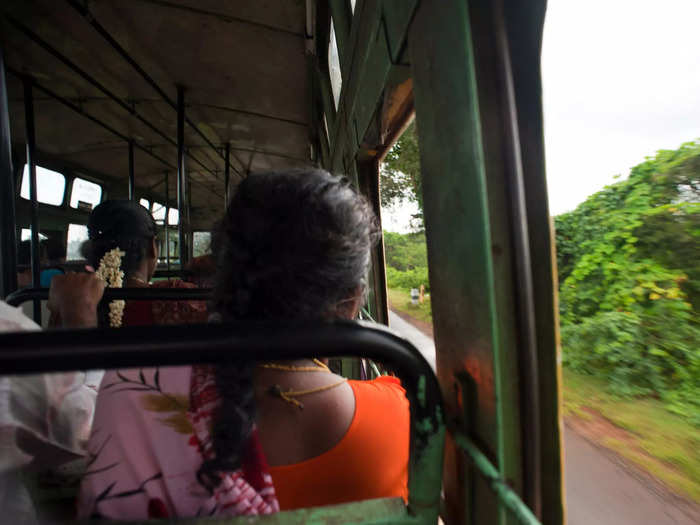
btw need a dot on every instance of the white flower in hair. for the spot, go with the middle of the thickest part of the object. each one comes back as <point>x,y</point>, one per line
<point>110,272</point>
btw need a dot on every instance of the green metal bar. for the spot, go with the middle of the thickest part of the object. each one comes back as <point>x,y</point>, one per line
<point>507,497</point>
<point>463,250</point>
<point>366,316</point>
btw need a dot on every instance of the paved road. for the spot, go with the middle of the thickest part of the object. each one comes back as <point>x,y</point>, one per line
<point>421,341</point>
<point>599,489</point>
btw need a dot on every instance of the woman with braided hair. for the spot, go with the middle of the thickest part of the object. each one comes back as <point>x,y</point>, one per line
<point>127,225</point>
<point>253,437</point>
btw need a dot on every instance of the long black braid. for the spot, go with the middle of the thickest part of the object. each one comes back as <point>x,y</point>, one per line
<point>291,245</point>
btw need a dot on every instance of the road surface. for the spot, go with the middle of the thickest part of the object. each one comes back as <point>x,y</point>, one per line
<point>600,489</point>
<point>421,341</point>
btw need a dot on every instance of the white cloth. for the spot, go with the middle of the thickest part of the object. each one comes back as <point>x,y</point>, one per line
<point>45,418</point>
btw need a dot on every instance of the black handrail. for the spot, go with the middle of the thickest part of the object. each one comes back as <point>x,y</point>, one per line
<point>139,346</point>
<point>127,294</point>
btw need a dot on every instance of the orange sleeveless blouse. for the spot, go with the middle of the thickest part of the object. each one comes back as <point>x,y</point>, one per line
<point>370,461</point>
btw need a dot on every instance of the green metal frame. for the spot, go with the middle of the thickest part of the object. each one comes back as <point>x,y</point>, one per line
<point>477,95</point>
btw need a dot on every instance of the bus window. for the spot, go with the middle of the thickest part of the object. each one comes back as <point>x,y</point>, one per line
<point>201,243</point>
<point>51,185</point>
<point>145,203</point>
<point>173,217</point>
<point>85,194</point>
<point>77,235</point>
<point>158,212</point>
<point>26,235</point>
<point>334,66</point>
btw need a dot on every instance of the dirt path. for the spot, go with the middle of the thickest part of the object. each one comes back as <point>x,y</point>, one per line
<point>601,488</point>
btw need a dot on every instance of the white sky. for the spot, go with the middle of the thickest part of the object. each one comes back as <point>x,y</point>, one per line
<point>621,81</point>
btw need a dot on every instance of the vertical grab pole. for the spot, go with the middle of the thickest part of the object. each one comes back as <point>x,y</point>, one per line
<point>31,165</point>
<point>181,178</point>
<point>227,171</point>
<point>167,223</point>
<point>132,178</point>
<point>8,226</point>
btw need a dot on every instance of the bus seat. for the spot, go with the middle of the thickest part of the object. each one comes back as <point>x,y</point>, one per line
<point>40,352</point>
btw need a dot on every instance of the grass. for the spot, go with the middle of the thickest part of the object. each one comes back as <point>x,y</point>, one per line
<point>670,444</point>
<point>401,300</point>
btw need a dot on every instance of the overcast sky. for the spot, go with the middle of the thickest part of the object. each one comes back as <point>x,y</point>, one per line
<point>621,81</point>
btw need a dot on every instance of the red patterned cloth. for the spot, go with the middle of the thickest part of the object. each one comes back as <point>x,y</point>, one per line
<point>248,490</point>
<point>148,313</point>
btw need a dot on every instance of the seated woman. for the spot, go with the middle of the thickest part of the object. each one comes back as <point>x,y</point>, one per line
<point>194,441</point>
<point>129,226</point>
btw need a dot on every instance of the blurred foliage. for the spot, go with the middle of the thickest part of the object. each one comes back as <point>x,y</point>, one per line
<point>405,251</point>
<point>400,174</point>
<point>406,260</point>
<point>629,270</point>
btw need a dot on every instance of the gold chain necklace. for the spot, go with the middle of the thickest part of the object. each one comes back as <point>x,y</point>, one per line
<point>290,395</point>
<point>320,367</point>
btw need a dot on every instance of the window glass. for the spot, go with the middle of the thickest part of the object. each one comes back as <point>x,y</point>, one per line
<point>77,235</point>
<point>145,203</point>
<point>334,66</point>
<point>201,243</point>
<point>173,216</point>
<point>50,185</point>
<point>158,212</point>
<point>352,6</point>
<point>26,235</point>
<point>85,194</point>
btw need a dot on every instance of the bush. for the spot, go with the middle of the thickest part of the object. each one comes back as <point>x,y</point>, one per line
<point>630,282</point>
<point>407,279</point>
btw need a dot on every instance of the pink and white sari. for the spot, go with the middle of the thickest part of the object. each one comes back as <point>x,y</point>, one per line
<point>150,436</point>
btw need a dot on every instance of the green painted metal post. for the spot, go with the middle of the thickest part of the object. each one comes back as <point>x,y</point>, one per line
<point>468,162</point>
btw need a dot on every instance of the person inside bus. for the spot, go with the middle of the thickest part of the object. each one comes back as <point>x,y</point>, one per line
<point>56,257</point>
<point>127,225</point>
<point>198,440</point>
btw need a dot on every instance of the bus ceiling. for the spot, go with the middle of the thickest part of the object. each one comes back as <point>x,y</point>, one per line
<point>107,75</point>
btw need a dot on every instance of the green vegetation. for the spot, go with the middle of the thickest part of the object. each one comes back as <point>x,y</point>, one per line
<point>629,272</point>
<point>406,260</point>
<point>629,269</point>
<point>400,174</point>
<point>661,443</point>
<point>400,300</point>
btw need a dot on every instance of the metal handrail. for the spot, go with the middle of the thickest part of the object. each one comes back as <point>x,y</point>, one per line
<point>126,294</point>
<point>506,495</point>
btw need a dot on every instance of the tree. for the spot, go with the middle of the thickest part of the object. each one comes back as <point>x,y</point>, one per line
<point>629,281</point>
<point>400,174</point>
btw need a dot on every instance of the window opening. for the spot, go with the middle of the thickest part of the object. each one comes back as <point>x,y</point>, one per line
<point>334,67</point>
<point>50,186</point>
<point>173,216</point>
<point>26,235</point>
<point>158,212</point>
<point>85,195</point>
<point>77,235</point>
<point>201,243</point>
<point>145,203</point>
